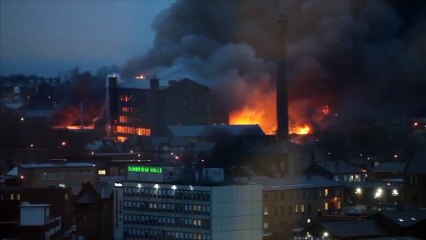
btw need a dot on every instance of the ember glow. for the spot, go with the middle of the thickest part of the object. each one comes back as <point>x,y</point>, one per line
<point>300,129</point>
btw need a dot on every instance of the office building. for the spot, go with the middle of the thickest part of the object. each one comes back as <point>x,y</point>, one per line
<point>179,203</point>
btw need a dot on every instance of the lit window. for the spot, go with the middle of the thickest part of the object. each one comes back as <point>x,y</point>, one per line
<point>302,208</point>
<point>338,205</point>
<point>325,192</point>
<point>265,225</point>
<point>18,197</point>
<point>265,211</point>
<point>12,197</point>
<point>102,172</point>
<point>66,196</point>
<point>326,206</point>
<point>296,209</point>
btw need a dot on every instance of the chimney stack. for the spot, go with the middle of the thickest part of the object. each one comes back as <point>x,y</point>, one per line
<point>281,86</point>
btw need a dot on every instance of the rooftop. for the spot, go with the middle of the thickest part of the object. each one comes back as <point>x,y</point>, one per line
<point>55,165</point>
<point>389,167</point>
<point>293,182</point>
<point>211,130</point>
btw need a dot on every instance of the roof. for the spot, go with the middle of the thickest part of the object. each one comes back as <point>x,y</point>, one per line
<point>178,141</point>
<point>293,182</point>
<point>389,167</point>
<point>405,218</point>
<point>140,84</point>
<point>359,228</point>
<point>417,165</point>
<point>338,167</point>
<point>55,165</point>
<point>211,130</point>
<point>203,146</point>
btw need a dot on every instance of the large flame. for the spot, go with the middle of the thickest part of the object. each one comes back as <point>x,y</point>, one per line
<point>260,108</point>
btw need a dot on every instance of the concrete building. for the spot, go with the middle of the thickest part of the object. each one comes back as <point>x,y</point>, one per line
<point>179,203</point>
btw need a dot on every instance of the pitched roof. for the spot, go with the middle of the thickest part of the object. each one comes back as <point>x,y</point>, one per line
<point>418,162</point>
<point>405,218</point>
<point>338,167</point>
<point>389,167</point>
<point>359,228</point>
<point>293,182</point>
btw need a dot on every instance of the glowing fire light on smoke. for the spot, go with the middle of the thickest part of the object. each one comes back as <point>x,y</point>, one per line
<point>141,76</point>
<point>325,109</point>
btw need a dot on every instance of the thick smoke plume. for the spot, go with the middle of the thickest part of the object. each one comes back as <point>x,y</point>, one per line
<point>362,58</point>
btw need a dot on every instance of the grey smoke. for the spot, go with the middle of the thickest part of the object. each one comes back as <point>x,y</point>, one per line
<point>364,58</point>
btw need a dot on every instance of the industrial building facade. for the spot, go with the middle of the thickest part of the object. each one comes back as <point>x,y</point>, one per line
<point>145,108</point>
<point>156,206</point>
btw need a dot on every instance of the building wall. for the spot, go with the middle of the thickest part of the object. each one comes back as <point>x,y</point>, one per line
<point>414,191</point>
<point>236,212</point>
<point>284,210</point>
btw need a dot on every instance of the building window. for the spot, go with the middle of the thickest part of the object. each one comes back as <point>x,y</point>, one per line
<point>265,225</point>
<point>296,208</point>
<point>302,208</point>
<point>101,172</point>
<point>12,196</point>
<point>325,192</point>
<point>309,208</point>
<point>338,205</point>
<point>265,211</point>
<point>289,210</point>
<point>265,196</point>
<point>282,196</point>
<point>413,179</point>
<point>18,197</point>
<point>66,196</point>
<point>326,206</point>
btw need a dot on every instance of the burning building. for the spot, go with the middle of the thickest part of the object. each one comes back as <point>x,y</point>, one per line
<point>144,107</point>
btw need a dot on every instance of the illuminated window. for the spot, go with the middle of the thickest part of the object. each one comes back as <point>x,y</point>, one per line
<point>326,206</point>
<point>12,197</point>
<point>338,205</point>
<point>102,172</point>
<point>302,208</point>
<point>296,209</point>
<point>66,196</point>
<point>265,225</point>
<point>265,211</point>
<point>18,197</point>
<point>325,192</point>
<point>121,139</point>
<point>125,109</point>
<point>123,119</point>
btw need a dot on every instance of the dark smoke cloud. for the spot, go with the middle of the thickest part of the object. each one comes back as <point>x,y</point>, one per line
<point>364,58</point>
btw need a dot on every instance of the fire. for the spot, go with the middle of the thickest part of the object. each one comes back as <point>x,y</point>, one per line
<point>75,127</point>
<point>325,109</point>
<point>260,108</point>
<point>300,130</point>
<point>141,76</point>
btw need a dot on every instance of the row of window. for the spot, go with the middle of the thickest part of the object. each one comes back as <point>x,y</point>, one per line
<point>298,208</point>
<point>164,235</point>
<point>11,196</point>
<point>161,221</point>
<point>179,194</point>
<point>299,194</point>
<point>179,208</point>
<point>134,130</point>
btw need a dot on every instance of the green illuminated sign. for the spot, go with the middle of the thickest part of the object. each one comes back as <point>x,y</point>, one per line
<point>144,169</point>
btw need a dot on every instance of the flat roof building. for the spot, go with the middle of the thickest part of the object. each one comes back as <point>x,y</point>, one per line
<point>180,203</point>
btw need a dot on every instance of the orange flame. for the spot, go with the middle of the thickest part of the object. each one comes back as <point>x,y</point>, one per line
<point>260,108</point>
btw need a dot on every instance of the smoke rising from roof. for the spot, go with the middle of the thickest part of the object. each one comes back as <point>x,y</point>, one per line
<point>360,57</point>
